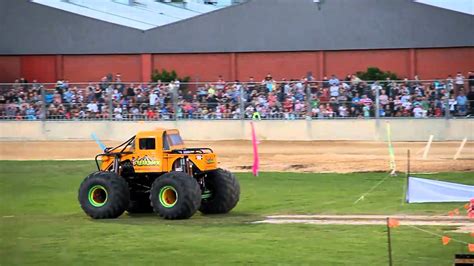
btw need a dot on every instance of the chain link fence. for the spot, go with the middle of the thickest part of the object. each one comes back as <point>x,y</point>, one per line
<point>265,100</point>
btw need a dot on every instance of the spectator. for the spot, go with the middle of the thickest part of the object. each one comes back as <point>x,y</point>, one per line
<point>334,90</point>
<point>418,111</point>
<point>153,98</point>
<point>343,112</point>
<point>459,82</point>
<point>118,85</point>
<point>251,84</point>
<point>470,98</point>
<point>98,92</point>
<point>220,84</point>
<point>450,83</point>
<point>130,91</point>
<point>470,76</point>
<point>93,107</point>
<point>383,98</point>
<point>461,103</point>
<point>104,83</point>
<point>268,83</point>
<point>452,104</point>
<point>211,91</point>
<point>366,111</point>
<point>366,101</point>
<point>334,81</point>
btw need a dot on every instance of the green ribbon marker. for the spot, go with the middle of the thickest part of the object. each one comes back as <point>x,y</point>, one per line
<point>390,150</point>
<point>256,116</point>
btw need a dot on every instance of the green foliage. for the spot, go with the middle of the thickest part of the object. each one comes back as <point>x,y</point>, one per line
<point>374,73</point>
<point>166,76</point>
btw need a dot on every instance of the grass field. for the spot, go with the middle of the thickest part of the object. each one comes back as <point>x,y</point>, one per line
<point>41,223</point>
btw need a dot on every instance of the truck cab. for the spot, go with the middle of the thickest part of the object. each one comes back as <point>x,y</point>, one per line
<point>159,151</point>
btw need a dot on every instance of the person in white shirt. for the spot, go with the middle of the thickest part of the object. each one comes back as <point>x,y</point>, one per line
<point>334,81</point>
<point>343,111</point>
<point>459,81</point>
<point>345,86</point>
<point>153,98</point>
<point>375,87</point>
<point>452,104</point>
<point>405,97</point>
<point>218,114</point>
<point>383,98</point>
<point>118,116</point>
<point>418,111</point>
<point>92,107</point>
<point>450,83</point>
<point>177,83</point>
<point>407,105</point>
<point>334,91</point>
<point>220,84</point>
<point>117,109</point>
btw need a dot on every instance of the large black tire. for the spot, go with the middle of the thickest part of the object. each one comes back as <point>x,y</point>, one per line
<point>224,192</point>
<point>104,195</point>
<point>140,203</point>
<point>126,169</point>
<point>175,195</point>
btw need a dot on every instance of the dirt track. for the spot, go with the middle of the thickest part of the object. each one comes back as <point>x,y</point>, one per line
<point>463,224</point>
<point>296,156</point>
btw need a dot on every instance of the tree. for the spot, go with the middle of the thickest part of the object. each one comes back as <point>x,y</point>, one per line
<point>166,76</point>
<point>374,73</point>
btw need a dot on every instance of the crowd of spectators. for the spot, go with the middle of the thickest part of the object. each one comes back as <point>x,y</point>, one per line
<point>268,98</point>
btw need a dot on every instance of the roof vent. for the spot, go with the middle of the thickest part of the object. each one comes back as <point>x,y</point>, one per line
<point>125,2</point>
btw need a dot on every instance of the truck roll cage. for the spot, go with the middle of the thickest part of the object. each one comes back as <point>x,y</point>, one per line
<point>193,151</point>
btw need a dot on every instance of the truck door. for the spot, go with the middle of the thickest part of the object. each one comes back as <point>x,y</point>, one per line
<point>147,159</point>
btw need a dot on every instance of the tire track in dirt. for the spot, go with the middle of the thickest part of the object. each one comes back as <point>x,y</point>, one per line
<point>462,224</point>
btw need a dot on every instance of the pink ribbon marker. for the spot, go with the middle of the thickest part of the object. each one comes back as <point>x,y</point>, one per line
<point>470,210</point>
<point>255,151</point>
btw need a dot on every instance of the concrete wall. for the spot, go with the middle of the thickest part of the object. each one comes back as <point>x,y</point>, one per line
<point>363,130</point>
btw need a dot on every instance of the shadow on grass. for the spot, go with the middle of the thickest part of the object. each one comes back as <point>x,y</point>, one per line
<point>141,219</point>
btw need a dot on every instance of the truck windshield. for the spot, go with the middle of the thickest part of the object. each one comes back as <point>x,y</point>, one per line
<point>175,139</point>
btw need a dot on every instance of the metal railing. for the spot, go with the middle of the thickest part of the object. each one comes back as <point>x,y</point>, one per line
<point>266,100</point>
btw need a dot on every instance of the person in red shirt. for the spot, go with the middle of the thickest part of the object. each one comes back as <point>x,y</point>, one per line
<point>272,99</point>
<point>150,114</point>
<point>324,97</point>
<point>288,105</point>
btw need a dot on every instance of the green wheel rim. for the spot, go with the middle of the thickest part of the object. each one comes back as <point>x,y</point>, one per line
<point>168,196</point>
<point>98,196</point>
<point>206,194</point>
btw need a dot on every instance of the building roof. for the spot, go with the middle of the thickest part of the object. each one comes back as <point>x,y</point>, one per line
<point>142,14</point>
<point>464,6</point>
<point>256,25</point>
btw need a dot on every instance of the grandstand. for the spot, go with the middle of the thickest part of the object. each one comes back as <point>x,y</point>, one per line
<point>228,53</point>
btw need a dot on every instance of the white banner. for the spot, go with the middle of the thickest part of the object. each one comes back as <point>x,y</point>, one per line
<point>427,190</point>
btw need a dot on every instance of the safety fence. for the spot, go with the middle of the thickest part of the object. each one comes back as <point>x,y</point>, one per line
<point>265,100</point>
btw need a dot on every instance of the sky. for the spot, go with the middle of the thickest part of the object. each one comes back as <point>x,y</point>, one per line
<point>465,6</point>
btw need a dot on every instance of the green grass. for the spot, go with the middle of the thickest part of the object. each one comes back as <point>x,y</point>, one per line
<point>41,223</point>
